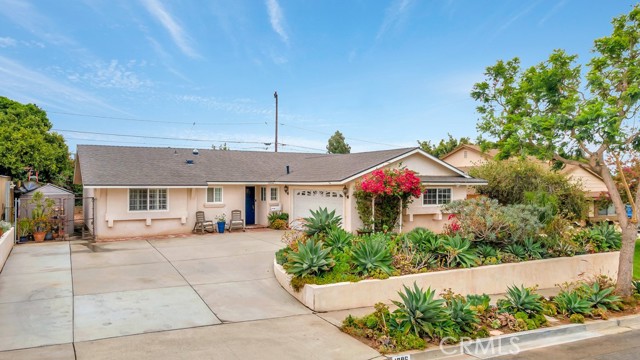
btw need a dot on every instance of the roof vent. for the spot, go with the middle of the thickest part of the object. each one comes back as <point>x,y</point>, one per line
<point>195,152</point>
<point>189,162</point>
<point>287,169</point>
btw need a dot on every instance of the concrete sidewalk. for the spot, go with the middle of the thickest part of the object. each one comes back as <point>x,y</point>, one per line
<point>209,296</point>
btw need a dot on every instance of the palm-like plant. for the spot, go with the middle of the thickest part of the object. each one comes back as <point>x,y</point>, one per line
<point>486,251</point>
<point>602,298</point>
<point>372,254</point>
<point>338,239</point>
<point>569,303</point>
<point>458,252</point>
<point>606,237</point>
<point>419,311</point>
<point>311,259</point>
<point>522,299</point>
<point>321,221</point>
<point>424,240</point>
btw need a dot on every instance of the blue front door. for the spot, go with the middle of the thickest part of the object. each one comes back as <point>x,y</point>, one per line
<point>250,205</point>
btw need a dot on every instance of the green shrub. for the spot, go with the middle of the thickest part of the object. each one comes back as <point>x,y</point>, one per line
<point>485,251</point>
<point>277,215</point>
<point>458,252</point>
<point>418,312</point>
<point>521,299</point>
<point>484,219</point>
<point>570,302</point>
<point>311,259</point>
<point>279,224</point>
<point>282,256</point>
<point>479,302</point>
<point>576,319</point>
<point>372,254</point>
<point>465,318</point>
<point>636,286</point>
<point>605,237</point>
<point>516,250</point>
<point>338,239</point>
<point>342,271</point>
<point>549,309</point>
<point>321,221</point>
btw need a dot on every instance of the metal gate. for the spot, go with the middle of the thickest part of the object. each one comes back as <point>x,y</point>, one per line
<point>67,219</point>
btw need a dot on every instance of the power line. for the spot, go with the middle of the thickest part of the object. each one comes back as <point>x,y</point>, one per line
<point>156,121</point>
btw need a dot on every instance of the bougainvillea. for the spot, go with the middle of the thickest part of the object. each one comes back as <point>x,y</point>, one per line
<point>390,189</point>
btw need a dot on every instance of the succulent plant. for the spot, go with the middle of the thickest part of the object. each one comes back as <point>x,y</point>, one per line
<point>372,254</point>
<point>463,315</point>
<point>338,239</point>
<point>424,240</point>
<point>606,237</point>
<point>570,302</point>
<point>533,249</point>
<point>522,299</point>
<point>311,259</point>
<point>321,221</point>
<point>516,250</point>
<point>419,311</point>
<point>458,252</point>
<point>602,298</point>
<point>486,251</point>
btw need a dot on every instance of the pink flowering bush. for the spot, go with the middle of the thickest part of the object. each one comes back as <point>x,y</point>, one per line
<point>390,188</point>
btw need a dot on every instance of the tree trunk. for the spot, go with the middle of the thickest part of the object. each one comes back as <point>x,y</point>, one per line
<point>625,266</point>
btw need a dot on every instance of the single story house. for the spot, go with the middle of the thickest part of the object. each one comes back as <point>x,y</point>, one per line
<point>146,191</point>
<point>467,156</point>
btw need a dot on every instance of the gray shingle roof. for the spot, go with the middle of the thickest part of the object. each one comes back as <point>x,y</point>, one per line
<point>147,166</point>
<point>451,179</point>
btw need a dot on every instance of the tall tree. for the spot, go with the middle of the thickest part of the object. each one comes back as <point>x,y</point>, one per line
<point>337,144</point>
<point>27,142</point>
<point>547,112</point>
<point>444,147</point>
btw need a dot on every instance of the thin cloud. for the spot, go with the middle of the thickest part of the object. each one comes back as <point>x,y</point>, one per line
<point>516,17</point>
<point>25,15</point>
<point>395,15</point>
<point>179,36</point>
<point>7,42</point>
<point>113,75</point>
<point>18,80</point>
<point>552,12</point>
<point>276,18</point>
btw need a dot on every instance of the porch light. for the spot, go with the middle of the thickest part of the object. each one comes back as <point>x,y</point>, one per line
<point>345,191</point>
<point>286,189</point>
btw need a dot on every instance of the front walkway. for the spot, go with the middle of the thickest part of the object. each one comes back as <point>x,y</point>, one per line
<point>210,296</point>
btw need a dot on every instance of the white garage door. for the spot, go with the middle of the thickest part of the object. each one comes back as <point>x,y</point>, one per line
<point>306,200</point>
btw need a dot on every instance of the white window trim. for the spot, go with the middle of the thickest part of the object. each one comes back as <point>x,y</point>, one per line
<point>263,193</point>
<point>277,194</point>
<point>206,195</point>
<point>147,210</point>
<point>436,188</point>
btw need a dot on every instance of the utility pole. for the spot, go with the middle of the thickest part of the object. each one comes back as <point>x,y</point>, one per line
<point>275,95</point>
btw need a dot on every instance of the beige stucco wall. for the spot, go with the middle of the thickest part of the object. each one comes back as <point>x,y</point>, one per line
<point>473,158</point>
<point>484,279</point>
<point>4,181</point>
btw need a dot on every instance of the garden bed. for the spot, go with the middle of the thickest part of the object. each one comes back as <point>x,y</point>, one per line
<point>489,279</point>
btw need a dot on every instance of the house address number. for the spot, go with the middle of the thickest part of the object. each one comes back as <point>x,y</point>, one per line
<point>401,357</point>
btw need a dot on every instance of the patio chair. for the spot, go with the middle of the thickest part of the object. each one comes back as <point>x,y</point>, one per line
<point>203,225</point>
<point>237,222</point>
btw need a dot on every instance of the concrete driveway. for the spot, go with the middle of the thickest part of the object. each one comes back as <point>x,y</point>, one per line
<point>198,297</point>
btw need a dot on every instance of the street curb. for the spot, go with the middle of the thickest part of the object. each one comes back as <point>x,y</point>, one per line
<point>525,339</point>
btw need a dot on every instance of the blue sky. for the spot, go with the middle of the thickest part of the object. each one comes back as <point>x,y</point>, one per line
<point>384,72</point>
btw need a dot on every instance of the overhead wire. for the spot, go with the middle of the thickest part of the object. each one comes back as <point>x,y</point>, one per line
<point>158,121</point>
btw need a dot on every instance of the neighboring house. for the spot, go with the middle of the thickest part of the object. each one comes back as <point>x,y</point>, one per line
<point>467,156</point>
<point>6,203</point>
<point>154,191</point>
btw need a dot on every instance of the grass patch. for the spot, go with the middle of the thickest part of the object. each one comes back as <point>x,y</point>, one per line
<point>636,262</point>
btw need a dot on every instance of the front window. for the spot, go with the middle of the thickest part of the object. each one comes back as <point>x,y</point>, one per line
<point>274,194</point>
<point>436,196</point>
<point>214,195</point>
<point>263,193</point>
<point>610,210</point>
<point>147,199</point>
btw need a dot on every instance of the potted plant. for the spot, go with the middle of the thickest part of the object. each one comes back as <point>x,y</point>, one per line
<point>39,217</point>
<point>49,205</point>
<point>222,222</point>
<point>24,229</point>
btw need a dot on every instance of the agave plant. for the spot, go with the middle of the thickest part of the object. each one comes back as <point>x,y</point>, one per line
<point>570,302</point>
<point>479,300</point>
<point>533,249</point>
<point>311,259</point>
<point>424,240</point>
<point>606,237</point>
<point>636,286</point>
<point>463,315</point>
<point>419,311</point>
<point>458,252</point>
<point>321,221</point>
<point>486,251</point>
<point>516,250</point>
<point>338,239</point>
<point>372,254</point>
<point>522,299</point>
<point>602,298</point>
